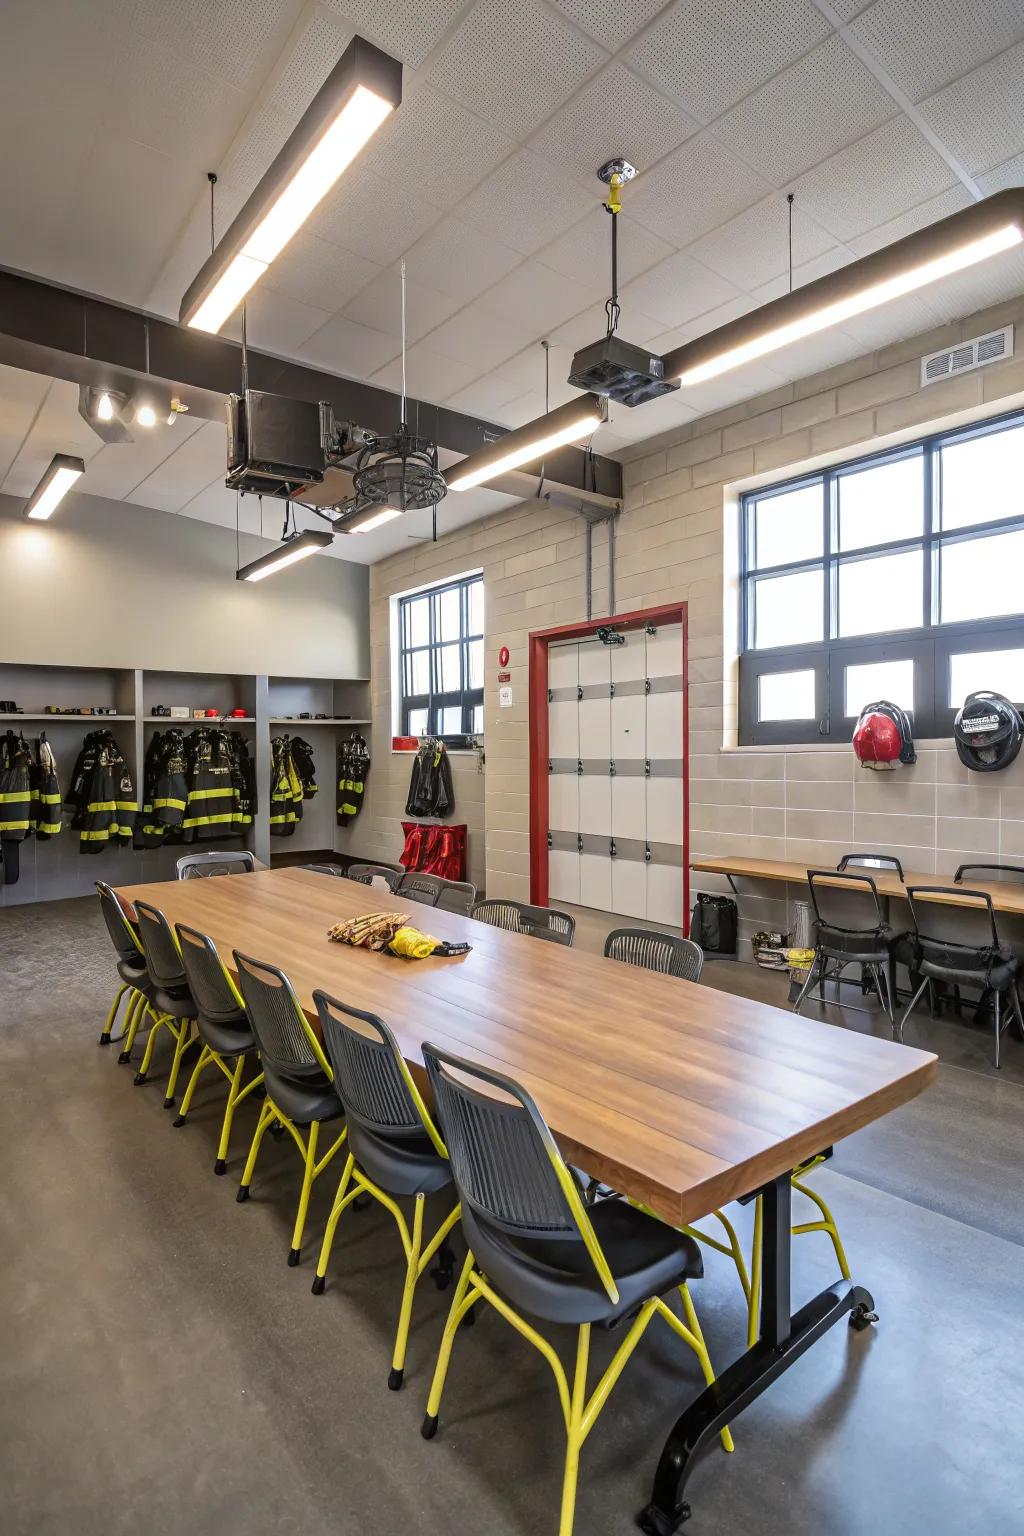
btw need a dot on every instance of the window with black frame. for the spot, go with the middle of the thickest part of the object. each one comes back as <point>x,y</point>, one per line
<point>899,576</point>
<point>441,660</point>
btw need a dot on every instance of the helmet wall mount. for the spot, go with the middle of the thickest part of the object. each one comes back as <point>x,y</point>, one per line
<point>988,730</point>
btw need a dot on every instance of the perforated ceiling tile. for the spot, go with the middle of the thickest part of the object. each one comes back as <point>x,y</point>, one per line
<point>434,147</point>
<point>915,218</point>
<point>514,64</point>
<point>698,187</point>
<point>1009,174</point>
<point>611,22</point>
<point>319,273</point>
<point>456,259</point>
<point>703,325</point>
<point>484,397</point>
<point>979,116</point>
<point>535,297</point>
<point>261,138</point>
<point>980,287</point>
<point>310,62</point>
<point>846,10</point>
<point>649,420</point>
<point>591,323</point>
<point>407,31</point>
<point>754,247</point>
<point>584,252</point>
<point>881,176</point>
<point>372,217</point>
<point>525,203</point>
<point>480,337</point>
<point>379,306</point>
<point>163,100</point>
<point>344,347</point>
<point>807,272</point>
<point>825,101</point>
<point>430,376</point>
<point>233,39</point>
<point>21,395</point>
<point>709,54</point>
<point>615,113</point>
<point>187,471</point>
<point>924,44</point>
<point>275,323</point>
<point>915,313</point>
<point>676,290</point>
<point>119,467</point>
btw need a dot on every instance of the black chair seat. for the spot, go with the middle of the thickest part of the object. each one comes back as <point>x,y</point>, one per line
<point>303,1099</point>
<point>228,1038</point>
<point>554,1278</point>
<point>401,1165</point>
<point>134,975</point>
<point>178,1002</point>
<point>870,946</point>
<point>997,971</point>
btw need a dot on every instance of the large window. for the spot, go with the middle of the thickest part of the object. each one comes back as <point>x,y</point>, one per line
<point>441,660</point>
<point>899,576</point>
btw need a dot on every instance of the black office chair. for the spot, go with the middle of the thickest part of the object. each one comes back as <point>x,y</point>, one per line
<point>517,917</point>
<point>991,966</point>
<point>535,1249</point>
<point>131,969</point>
<point>198,866</point>
<point>433,891</point>
<point>365,874</point>
<point>850,929</point>
<point>171,1001</point>
<point>394,1150</point>
<point>223,1028</point>
<point>662,952</point>
<point>297,1077</point>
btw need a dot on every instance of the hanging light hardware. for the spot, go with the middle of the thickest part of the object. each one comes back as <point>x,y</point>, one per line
<point>61,473</point>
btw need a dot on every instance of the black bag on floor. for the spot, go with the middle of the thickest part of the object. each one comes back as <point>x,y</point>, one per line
<point>713,924</point>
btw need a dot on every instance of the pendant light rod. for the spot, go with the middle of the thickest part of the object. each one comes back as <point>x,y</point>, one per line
<point>360,93</point>
<point>953,244</point>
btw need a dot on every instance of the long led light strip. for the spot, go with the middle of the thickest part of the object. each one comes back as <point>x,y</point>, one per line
<point>576,419</point>
<point>953,244</point>
<point>360,93</point>
<point>309,543</point>
<point>62,472</point>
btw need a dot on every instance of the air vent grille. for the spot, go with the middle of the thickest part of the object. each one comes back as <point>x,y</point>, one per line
<point>990,348</point>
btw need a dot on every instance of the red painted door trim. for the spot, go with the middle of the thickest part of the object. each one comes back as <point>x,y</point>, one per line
<point>540,639</point>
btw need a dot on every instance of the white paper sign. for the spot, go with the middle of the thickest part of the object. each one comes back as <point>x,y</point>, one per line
<point>505,698</point>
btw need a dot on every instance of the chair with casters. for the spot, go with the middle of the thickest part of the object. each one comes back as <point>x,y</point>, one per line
<point>394,1151</point>
<point>196,866</point>
<point>990,965</point>
<point>536,1251</point>
<point>131,969</point>
<point>172,1003</point>
<point>224,1030</point>
<point>365,874</point>
<point>297,1077</point>
<point>536,922</point>
<point>850,928</point>
<point>656,952</point>
<point>433,891</point>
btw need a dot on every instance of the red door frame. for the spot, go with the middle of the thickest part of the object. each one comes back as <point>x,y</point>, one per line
<point>540,640</point>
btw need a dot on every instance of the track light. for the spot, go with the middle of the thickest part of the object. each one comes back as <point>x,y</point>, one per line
<point>145,416</point>
<point>962,240</point>
<point>370,518</point>
<point>360,93</point>
<point>64,469</point>
<point>300,547</point>
<point>105,407</point>
<point>576,419</point>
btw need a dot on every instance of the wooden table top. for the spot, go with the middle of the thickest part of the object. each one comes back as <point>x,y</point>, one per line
<point>678,1095</point>
<point>1006,896</point>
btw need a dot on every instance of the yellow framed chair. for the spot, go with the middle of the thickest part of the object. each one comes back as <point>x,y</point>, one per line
<point>224,1030</point>
<point>535,1249</point>
<point>131,968</point>
<point>394,1151</point>
<point>301,1095</point>
<point>171,1004</point>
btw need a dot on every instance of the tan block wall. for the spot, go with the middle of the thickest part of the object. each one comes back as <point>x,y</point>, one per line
<point>680,490</point>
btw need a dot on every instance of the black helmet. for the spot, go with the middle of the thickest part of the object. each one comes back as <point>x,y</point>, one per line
<point>987,732</point>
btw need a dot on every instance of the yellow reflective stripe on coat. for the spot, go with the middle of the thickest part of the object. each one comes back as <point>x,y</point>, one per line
<point>14,826</point>
<point>14,794</point>
<point>175,805</point>
<point>46,799</point>
<point>51,828</point>
<point>208,821</point>
<point>207,794</point>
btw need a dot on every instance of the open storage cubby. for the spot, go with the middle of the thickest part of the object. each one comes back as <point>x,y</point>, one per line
<point>197,690</point>
<point>334,700</point>
<point>341,702</point>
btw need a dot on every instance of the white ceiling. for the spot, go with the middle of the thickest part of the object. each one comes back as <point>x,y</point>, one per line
<point>879,117</point>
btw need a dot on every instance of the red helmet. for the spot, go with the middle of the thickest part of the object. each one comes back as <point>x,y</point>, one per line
<point>883,738</point>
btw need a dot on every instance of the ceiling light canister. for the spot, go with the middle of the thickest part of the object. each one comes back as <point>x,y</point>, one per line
<point>360,93</point>
<point>63,470</point>
<point>567,424</point>
<point>300,548</point>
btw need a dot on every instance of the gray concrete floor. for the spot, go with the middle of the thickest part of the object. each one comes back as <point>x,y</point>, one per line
<point>163,1370</point>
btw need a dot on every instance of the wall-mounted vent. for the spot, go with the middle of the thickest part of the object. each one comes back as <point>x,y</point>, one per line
<point>990,348</point>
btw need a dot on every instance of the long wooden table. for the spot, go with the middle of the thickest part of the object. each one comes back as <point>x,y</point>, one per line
<point>1007,896</point>
<point>680,1096</point>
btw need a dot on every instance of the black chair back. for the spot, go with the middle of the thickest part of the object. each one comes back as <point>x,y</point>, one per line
<point>365,874</point>
<point>433,891</point>
<point>370,1074</point>
<point>651,951</point>
<point>848,915</point>
<point>215,994</point>
<point>870,861</point>
<point>285,1038</point>
<point>936,954</point>
<point>197,866</point>
<point>163,962</point>
<point>122,935</point>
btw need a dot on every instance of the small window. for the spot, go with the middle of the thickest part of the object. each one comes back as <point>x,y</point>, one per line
<point>880,594</point>
<point>881,504</point>
<point>983,479</point>
<point>981,578</point>
<point>786,696</point>
<point>871,680</point>
<point>787,528</point>
<point>440,668</point>
<point>788,610</point>
<point>998,671</point>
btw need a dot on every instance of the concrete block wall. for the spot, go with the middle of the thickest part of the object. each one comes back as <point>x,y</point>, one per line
<point>674,542</point>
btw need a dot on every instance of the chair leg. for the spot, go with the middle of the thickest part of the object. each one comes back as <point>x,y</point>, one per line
<point>996,997</point>
<point>182,1037</point>
<point>910,1007</point>
<point>307,1185</point>
<point>463,1299</point>
<point>340,1202</point>
<point>234,1096</point>
<point>132,1019</point>
<point>815,967</point>
<point>754,1303</point>
<point>206,1059</point>
<point>160,1021</point>
<point>105,1032</point>
<point>574,1437</point>
<point>701,1351</point>
<point>412,1270</point>
<point>827,1224</point>
<point>267,1114</point>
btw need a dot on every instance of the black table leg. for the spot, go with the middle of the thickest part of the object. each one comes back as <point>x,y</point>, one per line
<point>784,1338</point>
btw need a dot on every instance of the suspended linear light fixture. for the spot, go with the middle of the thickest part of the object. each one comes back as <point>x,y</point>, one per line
<point>360,93</point>
<point>566,424</point>
<point>298,546</point>
<point>64,469</point>
<point>959,241</point>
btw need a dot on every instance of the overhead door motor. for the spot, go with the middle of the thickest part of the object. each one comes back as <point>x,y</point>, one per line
<point>987,730</point>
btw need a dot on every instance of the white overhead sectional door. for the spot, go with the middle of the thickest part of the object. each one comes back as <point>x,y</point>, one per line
<point>615,781</point>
